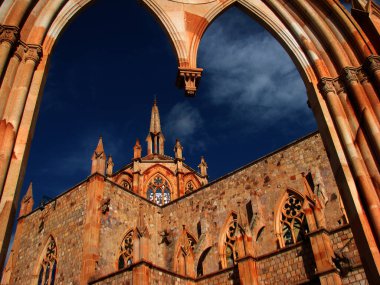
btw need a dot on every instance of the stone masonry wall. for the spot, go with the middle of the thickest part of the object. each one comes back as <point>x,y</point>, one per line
<point>291,266</point>
<point>65,224</point>
<point>262,184</point>
<point>122,216</point>
<point>345,247</point>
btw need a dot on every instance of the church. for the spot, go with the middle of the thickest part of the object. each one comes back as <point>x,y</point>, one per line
<point>278,220</point>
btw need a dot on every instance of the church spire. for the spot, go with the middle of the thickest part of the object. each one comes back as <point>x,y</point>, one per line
<point>155,138</point>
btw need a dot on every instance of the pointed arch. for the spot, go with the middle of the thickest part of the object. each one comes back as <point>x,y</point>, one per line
<point>201,262</point>
<point>290,218</point>
<point>126,250</point>
<point>184,254</point>
<point>158,189</point>
<point>229,246</point>
<point>46,270</point>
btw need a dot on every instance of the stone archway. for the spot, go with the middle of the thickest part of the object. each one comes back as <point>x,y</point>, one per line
<point>335,53</point>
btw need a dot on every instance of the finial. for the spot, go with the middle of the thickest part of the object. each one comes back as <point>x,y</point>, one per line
<point>155,100</point>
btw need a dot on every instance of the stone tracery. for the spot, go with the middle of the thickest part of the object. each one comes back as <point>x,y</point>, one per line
<point>126,251</point>
<point>48,266</point>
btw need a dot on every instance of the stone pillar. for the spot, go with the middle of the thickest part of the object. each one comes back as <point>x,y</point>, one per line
<point>321,245</point>
<point>26,208</point>
<point>9,35</point>
<point>15,107</point>
<point>9,76</point>
<point>362,179</point>
<point>91,234</point>
<point>141,274</point>
<point>247,271</point>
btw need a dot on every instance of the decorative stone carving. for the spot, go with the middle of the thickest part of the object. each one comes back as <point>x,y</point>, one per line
<point>373,63</point>
<point>20,51</point>
<point>189,78</point>
<point>9,34</point>
<point>350,74</point>
<point>34,53</point>
<point>362,75</point>
<point>339,85</point>
<point>326,85</point>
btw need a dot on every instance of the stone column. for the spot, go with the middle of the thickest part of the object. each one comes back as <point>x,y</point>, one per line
<point>9,35</point>
<point>321,245</point>
<point>247,271</point>
<point>355,160</point>
<point>91,234</point>
<point>9,76</point>
<point>141,274</point>
<point>15,107</point>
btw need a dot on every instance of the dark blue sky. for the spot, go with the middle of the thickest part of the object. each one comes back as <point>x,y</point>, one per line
<point>113,59</point>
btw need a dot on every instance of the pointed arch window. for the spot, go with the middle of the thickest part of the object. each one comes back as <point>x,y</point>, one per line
<point>229,247</point>
<point>189,187</point>
<point>184,263</point>
<point>293,220</point>
<point>48,266</point>
<point>158,191</point>
<point>126,251</point>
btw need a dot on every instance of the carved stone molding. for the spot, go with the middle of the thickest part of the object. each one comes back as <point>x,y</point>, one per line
<point>362,75</point>
<point>34,53</point>
<point>20,50</point>
<point>189,78</point>
<point>326,85</point>
<point>9,34</point>
<point>350,74</point>
<point>339,85</point>
<point>373,63</point>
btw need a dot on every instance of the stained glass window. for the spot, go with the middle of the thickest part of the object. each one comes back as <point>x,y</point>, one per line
<point>126,251</point>
<point>293,222</point>
<point>48,265</point>
<point>158,191</point>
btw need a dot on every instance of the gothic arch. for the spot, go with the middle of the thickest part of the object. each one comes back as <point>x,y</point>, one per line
<point>125,249</point>
<point>281,224</point>
<point>149,183</point>
<point>335,57</point>
<point>228,245</point>
<point>47,264</point>
<point>184,258</point>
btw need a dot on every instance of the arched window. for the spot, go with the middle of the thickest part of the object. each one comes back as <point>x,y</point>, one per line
<point>293,221</point>
<point>184,263</point>
<point>48,267</point>
<point>158,191</point>
<point>126,185</point>
<point>229,247</point>
<point>126,251</point>
<point>189,187</point>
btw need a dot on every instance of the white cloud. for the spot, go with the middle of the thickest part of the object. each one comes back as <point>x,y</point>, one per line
<point>251,72</point>
<point>184,122</point>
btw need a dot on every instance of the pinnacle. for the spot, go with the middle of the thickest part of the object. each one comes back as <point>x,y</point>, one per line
<point>155,123</point>
<point>29,193</point>
<point>99,149</point>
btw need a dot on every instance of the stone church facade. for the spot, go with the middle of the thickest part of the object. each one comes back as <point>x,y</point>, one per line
<point>277,220</point>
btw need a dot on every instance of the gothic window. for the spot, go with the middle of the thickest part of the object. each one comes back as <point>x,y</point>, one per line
<point>230,245</point>
<point>126,185</point>
<point>189,187</point>
<point>48,267</point>
<point>185,255</point>
<point>126,251</point>
<point>158,191</point>
<point>293,221</point>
